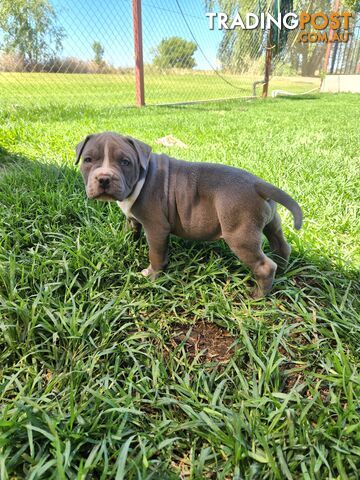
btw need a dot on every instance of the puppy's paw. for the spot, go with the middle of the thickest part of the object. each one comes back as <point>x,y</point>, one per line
<point>257,294</point>
<point>150,273</point>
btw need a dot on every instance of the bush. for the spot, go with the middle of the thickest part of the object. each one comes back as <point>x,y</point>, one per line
<point>11,63</point>
<point>15,63</point>
<point>70,65</point>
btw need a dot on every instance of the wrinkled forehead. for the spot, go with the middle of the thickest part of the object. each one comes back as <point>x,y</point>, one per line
<point>109,145</point>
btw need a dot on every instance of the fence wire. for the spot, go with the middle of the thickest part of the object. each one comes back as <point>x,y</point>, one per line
<point>85,54</point>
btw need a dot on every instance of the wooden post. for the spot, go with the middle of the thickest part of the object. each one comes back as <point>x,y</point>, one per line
<point>138,46</point>
<point>330,43</point>
<point>267,66</point>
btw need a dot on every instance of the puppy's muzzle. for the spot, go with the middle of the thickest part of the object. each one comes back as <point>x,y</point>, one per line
<point>104,181</point>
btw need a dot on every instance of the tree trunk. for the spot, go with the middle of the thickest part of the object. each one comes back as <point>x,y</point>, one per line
<point>304,60</point>
<point>310,64</point>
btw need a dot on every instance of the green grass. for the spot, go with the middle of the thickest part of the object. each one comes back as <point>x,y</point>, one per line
<point>91,385</point>
<point>115,90</point>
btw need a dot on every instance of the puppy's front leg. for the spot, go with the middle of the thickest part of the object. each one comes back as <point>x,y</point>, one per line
<point>158,240</point>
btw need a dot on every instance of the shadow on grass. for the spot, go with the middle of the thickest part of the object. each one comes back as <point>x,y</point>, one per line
<point>228,104</point>
<point>298,97</point>
<point>11,163</point>
<point>308,272</point>
<point>211,105</point>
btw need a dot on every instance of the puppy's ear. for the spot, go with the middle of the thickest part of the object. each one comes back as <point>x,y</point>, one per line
<point>80,147</point>
<point>142,149</point>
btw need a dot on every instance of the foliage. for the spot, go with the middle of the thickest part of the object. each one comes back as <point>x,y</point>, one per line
<point>99,51</point>
<point>353,5</point>
<point>239,48</point>
<point>279,36</point>
<point>175,52</point>
<point>30,30</point>
<point>15,63</point>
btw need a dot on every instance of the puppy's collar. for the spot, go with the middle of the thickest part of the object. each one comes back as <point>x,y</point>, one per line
<point>127,204</point>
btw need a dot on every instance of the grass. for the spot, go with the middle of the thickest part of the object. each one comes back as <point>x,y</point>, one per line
<point>91,384</point>
<point>114,90</point>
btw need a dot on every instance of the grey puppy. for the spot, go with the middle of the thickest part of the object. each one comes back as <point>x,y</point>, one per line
<point>199,201</point>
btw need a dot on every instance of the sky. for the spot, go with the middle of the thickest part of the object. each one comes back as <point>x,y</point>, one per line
<point>110,23</point>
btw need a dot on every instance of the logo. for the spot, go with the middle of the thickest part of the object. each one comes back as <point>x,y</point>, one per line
<point>338,23</point>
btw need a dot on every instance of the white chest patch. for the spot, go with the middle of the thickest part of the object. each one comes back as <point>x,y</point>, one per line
<point>127,204</point>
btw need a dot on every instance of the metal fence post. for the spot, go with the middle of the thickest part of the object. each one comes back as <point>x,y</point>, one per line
<point>268,57</point>
<point>138,46</point>
<point>330,44</point>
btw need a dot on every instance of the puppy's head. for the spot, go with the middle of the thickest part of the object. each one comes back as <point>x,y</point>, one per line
<point>111,165</point>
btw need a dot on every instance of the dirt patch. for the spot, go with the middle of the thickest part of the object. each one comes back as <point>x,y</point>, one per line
<point>206,341</point>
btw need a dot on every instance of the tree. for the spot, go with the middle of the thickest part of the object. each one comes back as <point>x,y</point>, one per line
<point>175,52</point>
<point>30,30</point>
<point>309,56</point>
<point>351,5</point>
<point>239,48</point>
<point>98,50</point>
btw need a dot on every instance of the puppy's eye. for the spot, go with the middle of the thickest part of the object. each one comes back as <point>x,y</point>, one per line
<point>124,162</point>
<point>87,160</point>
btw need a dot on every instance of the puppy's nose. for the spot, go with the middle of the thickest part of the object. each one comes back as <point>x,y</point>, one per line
<point>104,180</point>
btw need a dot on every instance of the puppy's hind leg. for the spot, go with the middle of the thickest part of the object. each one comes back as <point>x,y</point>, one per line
<point>247,247</point>
<point>277,242</point>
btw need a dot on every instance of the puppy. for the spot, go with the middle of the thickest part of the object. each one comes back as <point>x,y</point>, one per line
<point>193,200</point>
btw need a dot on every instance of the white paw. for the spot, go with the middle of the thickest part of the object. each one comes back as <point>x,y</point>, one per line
<point>145,272</point>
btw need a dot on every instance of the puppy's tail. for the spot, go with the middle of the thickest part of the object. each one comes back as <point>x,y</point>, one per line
<point>266,190</point>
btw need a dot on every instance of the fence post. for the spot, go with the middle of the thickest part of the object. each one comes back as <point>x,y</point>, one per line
<point>329,45</point>
<point>138,46</point>
<point>268,56</point>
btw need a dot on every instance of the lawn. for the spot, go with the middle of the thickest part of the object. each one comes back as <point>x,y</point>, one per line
<point>97,383</point>
<point>114,90</point>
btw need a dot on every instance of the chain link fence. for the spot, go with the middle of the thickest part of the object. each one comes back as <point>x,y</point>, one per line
<point>82,52</point>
